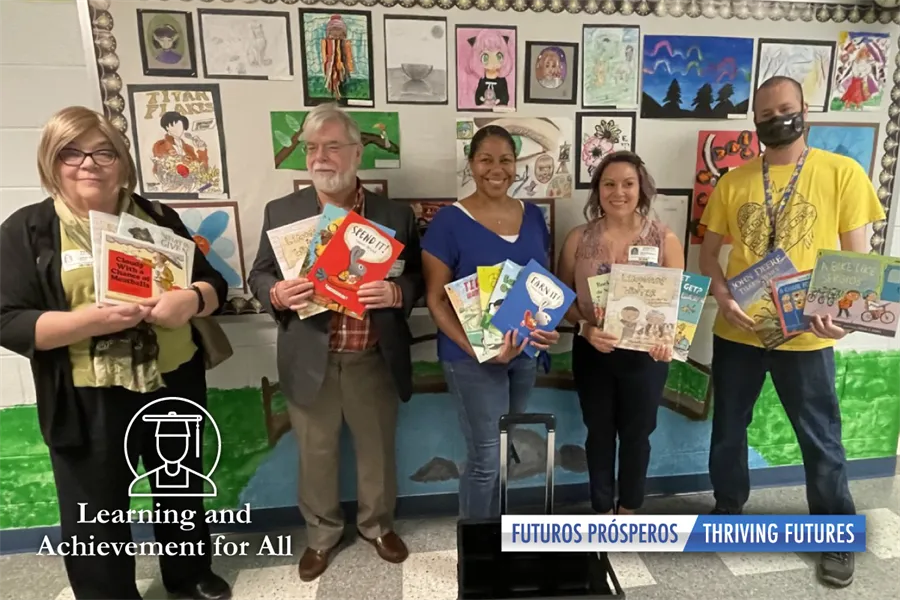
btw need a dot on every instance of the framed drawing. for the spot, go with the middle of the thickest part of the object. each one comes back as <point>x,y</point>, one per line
<point>485,68</point>
<point>415,59</point>
<point>598,134</point>
<point>551,72</point>
<point>548,207</point>
<point>376,186</point>
<point>336,46</point>
<point>425,208</point>
<point>858,141</point>
<point>860,77</point>
<point>672,207</point>
<point>808,62</point>
<point>166,38</point>
<point>611,66</point>
<point>246,44</point>
<point>179,143</point>
<point>216,229</point>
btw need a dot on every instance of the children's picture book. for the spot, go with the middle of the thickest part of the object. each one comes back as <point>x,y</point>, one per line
<point>694,289</point>
<point>508,275</point>
<point>134,227</point>
<point>133,270</point>
<point>487,279</point>
<point>789,295</point>
<point>358,252</point>
<point>537,300</point>
<point>598,286</point>
<point>290,244</point>
<point>642,307</point>
<point>100,222</point>
<point>752,292</point>
<point>861,292</point>
<point>465,299</point>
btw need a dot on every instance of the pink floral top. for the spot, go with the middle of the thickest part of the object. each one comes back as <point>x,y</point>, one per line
<point>595,255</point>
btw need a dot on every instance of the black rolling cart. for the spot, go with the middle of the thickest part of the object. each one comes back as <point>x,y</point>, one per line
<point>484,572</point>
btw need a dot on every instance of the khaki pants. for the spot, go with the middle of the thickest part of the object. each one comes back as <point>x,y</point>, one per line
<point>357,388</point>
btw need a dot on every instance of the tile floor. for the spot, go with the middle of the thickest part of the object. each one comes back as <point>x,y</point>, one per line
<point>430,571</point>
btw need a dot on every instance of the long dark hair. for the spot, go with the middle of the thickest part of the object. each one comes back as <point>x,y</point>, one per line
<point>486,132</point>
<point>646,186</point>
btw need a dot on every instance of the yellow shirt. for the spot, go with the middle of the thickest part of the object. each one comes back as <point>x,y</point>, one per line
<point>833,196</point>
<point>176,346</point>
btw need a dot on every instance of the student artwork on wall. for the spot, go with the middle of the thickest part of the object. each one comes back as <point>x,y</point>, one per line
<point>858,141</point>
<point>611,66</point>
<point>166,39</point>
<point>696,77</point>
<point>599,134</point>
<point>179,144</point>
<point>551,72</point>
<point>424,210</point>
<point>415,57</point>
<point>216,229</point>
<point>548,208</point>
<point>376,186</point>
<point>672,207</point>
<point>717,153</point>
<point>861,72</point>
<point>543,153</point>
<point>336,47</point>
<point>485,67</point>
<point>246,44</point>
<point>380,132</point>
<point>808,62</point>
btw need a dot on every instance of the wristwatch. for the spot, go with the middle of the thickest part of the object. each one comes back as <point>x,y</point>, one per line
<point>201,302</point>
<point>579,327</point>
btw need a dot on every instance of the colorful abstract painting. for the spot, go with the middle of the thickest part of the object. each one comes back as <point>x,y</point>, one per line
<point>485,67</point>
<point>808,62</point>
<point>543,152</point>
<point>611,68</point>
<point>861,72</point>
<point>216,230</point>
<point>717,153</point>
<point>380,133</point>
<point>696,77</point>
<point>598,134</point>
<point>853,140</point>
<point>336,51</point>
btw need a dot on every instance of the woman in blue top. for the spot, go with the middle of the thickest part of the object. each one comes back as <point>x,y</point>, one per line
<point>484,229</point>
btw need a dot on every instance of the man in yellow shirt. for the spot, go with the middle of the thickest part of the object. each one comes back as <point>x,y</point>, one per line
<point>815,199</point>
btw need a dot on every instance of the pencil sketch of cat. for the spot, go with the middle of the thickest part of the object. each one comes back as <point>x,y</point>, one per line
<point>256,52</point>
<point>242,46</point>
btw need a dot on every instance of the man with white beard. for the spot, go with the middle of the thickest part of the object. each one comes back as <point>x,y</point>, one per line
<point>333,367</point>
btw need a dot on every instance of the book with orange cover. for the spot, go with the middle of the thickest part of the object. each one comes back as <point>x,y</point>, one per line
<point>359,252</point>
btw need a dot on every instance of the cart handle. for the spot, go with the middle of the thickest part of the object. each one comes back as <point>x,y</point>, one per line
<point>547,420</point>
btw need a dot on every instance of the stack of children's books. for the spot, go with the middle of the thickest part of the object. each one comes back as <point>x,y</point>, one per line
<point>338,251</point>
<point>136,260</point>
<point>506,297</point>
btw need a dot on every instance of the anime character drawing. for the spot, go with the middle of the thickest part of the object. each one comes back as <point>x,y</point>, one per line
<point>337,56</point>
<point>550,67</point>
<point>164,38</point>
<point>492,58</point>
<point>181,159</point>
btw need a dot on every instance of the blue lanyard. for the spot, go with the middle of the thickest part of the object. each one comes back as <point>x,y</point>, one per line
<point>775,212</point>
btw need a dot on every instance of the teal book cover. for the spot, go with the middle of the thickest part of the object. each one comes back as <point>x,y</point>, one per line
<point>694,289</point>
<point>538,300</point>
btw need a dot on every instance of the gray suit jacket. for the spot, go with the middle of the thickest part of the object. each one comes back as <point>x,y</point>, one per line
<point>303,344</point>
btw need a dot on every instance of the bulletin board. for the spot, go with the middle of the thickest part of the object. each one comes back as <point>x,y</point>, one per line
<point>573,80</point>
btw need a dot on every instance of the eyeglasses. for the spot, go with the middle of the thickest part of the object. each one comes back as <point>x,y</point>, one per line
<point>331,148</point>
<point>75,157</point>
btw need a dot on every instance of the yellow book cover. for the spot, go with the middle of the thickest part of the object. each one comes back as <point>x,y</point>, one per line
<point>487,279</point>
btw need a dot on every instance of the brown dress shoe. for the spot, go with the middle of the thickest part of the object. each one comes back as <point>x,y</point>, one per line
<point>314,562</point>
<point>389,547</point>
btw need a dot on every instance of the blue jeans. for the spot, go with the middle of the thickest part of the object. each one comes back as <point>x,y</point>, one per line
<point>483,393</point>
<point>805,385</point>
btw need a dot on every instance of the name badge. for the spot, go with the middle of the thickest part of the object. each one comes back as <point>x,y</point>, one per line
<point>397,268</point>
<point>643,254</point>
<point>76,259</point>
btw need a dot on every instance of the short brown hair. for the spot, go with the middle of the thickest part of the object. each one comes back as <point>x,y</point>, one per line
<point>646,185</point>
<point>66,126</point>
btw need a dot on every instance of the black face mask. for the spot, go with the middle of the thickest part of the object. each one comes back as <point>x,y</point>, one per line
<point>780,131</point>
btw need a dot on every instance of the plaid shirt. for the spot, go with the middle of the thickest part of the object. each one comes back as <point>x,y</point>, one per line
<point>347,333</point>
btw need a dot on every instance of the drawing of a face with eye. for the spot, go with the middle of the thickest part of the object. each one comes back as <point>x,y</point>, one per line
<point>550,67</point>
<point>165,40</point>
<point>543,168</point>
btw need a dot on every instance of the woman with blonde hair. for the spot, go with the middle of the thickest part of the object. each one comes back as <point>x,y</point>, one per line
<point>619,390</point>
<point>96,367</point>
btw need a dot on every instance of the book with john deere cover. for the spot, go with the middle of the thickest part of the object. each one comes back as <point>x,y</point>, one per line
<point>861,292</point>
<point>789,295</point>
<point>466,302</point>
<point>694,289</point>
<point>752,292</point>
<point>642,307</point>
<point>537,300</point>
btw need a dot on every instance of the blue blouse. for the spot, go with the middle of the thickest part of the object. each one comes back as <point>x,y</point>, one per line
<point>464,244</point>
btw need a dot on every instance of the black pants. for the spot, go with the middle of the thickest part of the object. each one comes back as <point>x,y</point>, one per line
<point>805,385</point>
<point>620,394</point>
<point>98,476</point>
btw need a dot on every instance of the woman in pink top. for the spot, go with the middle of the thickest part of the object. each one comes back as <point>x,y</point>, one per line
<point>619,390</point>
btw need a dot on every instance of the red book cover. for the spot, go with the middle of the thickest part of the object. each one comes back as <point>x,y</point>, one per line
<point>358,252</point>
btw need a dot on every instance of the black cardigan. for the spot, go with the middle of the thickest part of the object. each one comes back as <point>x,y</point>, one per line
<point>30,284</point>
